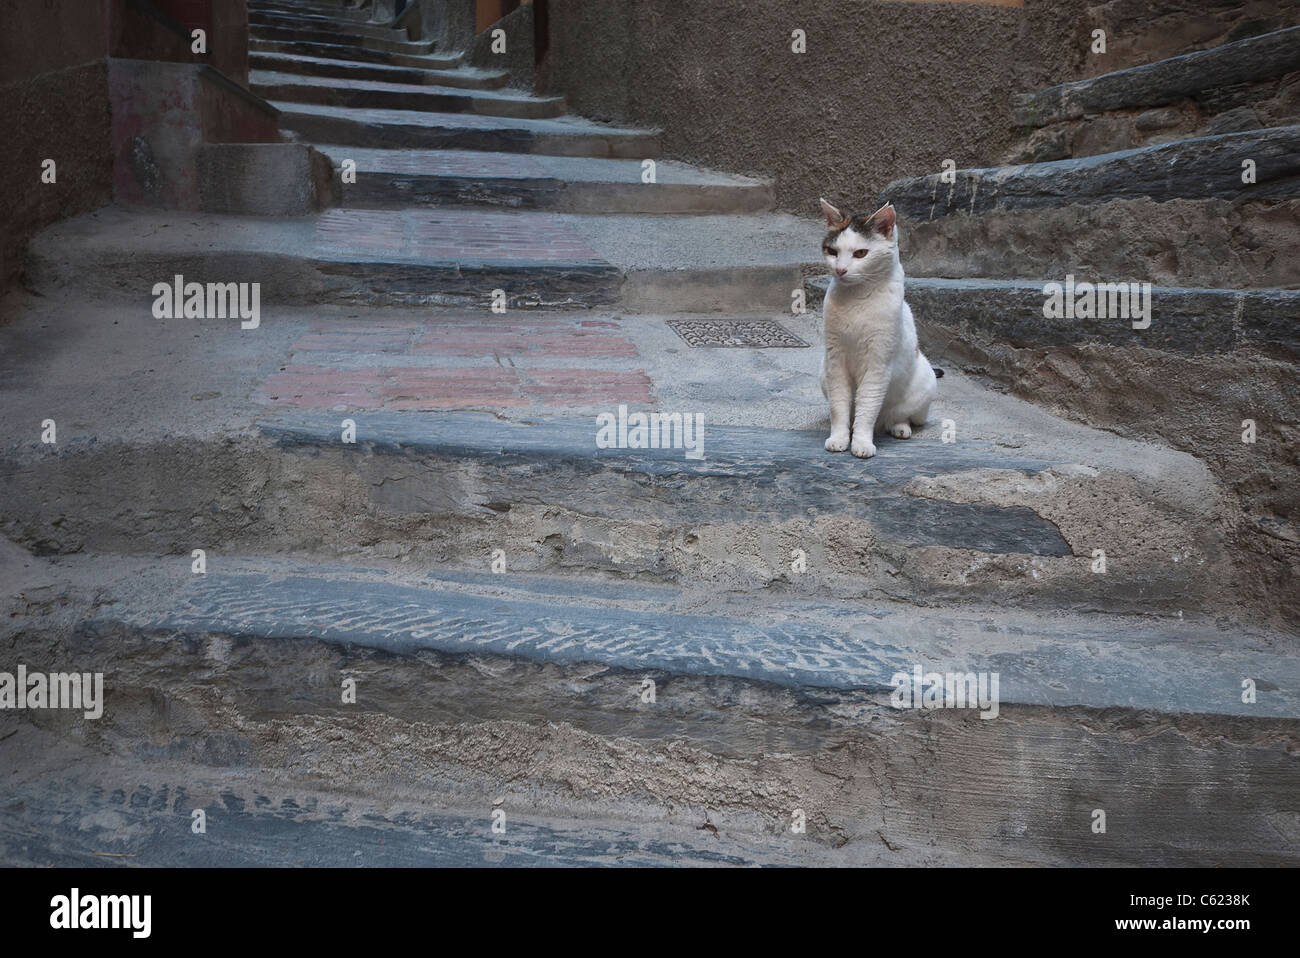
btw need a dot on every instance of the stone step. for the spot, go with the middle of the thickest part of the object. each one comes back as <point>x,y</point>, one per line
<point>925,521</point>
<point>1094,661</point>
<point>341,51</point>
<point>404,129</point>
<point>292,8</point>
<point>697,263</point>
<point>1243,85</point>
<point>317,35</point>
<point>462,77</point>
<point>266,823</point>
<point>404,178</point>
<point>477,691</point>
<point>401,97</point>
<point>975,316</point>
<point>1166,81</point>
<point>1156,213</point>
<point>1012,486</point>
<point>349,29</point>
<point>1198,168</point>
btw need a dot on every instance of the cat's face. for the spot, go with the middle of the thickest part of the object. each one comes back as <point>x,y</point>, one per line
<point>860,247</point>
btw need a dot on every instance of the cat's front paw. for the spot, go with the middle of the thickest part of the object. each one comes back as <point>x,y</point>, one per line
<point>863,447</point>
<point>901,430</point>
<point>837,442</point>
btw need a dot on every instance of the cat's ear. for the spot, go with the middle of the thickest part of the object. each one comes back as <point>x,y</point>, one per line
<point>833,216</point>
<point>883,220</point>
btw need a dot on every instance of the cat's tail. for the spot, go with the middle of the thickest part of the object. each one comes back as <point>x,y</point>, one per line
<point>938,373</point>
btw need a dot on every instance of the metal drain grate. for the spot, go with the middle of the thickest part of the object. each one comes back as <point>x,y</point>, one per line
<point>736,334</point>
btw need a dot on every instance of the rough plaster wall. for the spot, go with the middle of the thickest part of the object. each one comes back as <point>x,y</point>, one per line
<point>884,89</point>
<point>450,22</point>
<point>53,104</point>
<point>518,58</point>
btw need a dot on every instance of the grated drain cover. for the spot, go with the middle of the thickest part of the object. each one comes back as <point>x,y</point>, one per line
<point>736,334</point>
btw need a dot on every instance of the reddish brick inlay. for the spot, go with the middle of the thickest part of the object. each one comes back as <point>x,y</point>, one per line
<point>584,387</point>
<point>441,386</point>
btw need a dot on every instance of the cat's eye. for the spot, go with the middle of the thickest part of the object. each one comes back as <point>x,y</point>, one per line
<point>828,251</point>
<point>859,253</point>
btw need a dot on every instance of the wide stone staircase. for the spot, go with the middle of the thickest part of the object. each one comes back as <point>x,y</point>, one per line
<point>563,653</point>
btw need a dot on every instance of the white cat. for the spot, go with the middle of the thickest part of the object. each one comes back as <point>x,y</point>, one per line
<point>874,374</point>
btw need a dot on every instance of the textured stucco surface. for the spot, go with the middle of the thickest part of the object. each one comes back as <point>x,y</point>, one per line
<point>880,93</point>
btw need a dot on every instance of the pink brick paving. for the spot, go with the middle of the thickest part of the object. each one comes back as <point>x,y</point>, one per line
<point>327,382</point>
<point>462,235</point>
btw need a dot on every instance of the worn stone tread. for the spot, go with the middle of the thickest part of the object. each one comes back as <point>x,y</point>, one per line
<point>336,50</point>
<point>41,826</point>
<point>1153,84</point>
<point>368,93</point>
<point>1196,321</point>
<point>372,127</point>
<point>1198,168</point>
<point>1094,661</point>
<point>461,77</point>
<point>746,473</point>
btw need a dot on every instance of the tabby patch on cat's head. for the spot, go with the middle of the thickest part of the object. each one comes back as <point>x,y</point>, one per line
<point>859,245</point>
<point>881,221</point>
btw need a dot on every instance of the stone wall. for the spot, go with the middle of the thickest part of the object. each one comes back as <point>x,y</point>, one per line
<point>885,89</point>
<point>55,99</point>
<point>53,105</point>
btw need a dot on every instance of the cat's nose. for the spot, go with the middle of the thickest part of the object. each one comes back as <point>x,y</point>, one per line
<point>841,270</point>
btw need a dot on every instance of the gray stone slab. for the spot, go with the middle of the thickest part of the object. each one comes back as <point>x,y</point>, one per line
<point>746,475</point>
<point>1200,168</point>
<point>342,36</point>
<point>324,23</point>
<point>1154,84</point>
<point>336,50</point>
<point>392,179</point>
<point>464,77</point>
<point>1195,321</point>
<point>392,129</point>
<point>749,261</point>
<point>377,94</point>
<point>1101,663</point>
<point>76,825</point>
